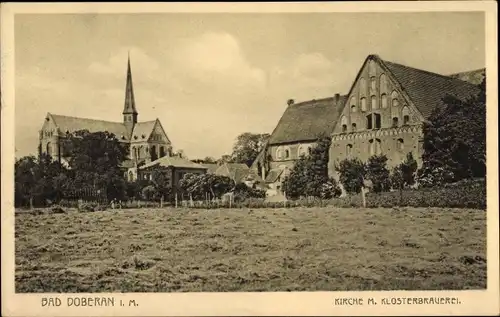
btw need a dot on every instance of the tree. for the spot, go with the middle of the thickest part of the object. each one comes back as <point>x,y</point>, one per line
<point>95,160</point>
<point>161,179</point>
<point>377,173</point>
<point>408,170</point>
<point>309,176</point>
<point>198,185</point>
<point>248,146</point>
<point>352,173</point>
<point>455,139</point>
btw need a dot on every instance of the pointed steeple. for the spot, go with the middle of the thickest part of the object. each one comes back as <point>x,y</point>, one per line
<point>129,92</point>
<point>129,110</point>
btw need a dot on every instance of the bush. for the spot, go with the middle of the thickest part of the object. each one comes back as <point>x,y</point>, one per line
<point>352,173</point>
<point>378,174</point>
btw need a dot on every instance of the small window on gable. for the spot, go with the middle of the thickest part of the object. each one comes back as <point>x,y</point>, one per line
<point>406,115</point>
<point>362,86</point>
<point>395,122</point>
<point>369,123</point>
<point>353,108</point>
<point>394,99</point>
<point>383,101</point>
<point>353,104</point>
<point>373,84</point>
<point>363,104</point>
<point>383,83</point>
<point>374,102</point>
<point>344,123</point>
<point>353,126</point>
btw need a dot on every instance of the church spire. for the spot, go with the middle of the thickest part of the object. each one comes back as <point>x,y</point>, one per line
<point>129,110</point>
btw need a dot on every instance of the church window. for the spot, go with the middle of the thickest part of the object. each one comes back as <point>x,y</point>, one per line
<point>162,151</point>
<point>377,120</point>
<point>383,83</point>
<point>362,86</point>
<point>154,154</point>
<point>363,104</point>
<point>344,123</point>
<point>369,123</point>
<point>287,153</point>
<point>401,144</point>
<point>353,104</point>
<point>373,84</point>
<point>395,122</point>
<point>406,115</point>
<point>353,108</point>
<point>48,148</point>
<point>353,126</point>
<point>383,100</point>
<point>279,153</point>
<point>374,102</point>
<point>394,98</point>
<point>348,149</point>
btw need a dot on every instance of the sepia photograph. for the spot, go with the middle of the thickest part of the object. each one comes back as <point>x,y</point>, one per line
<point>250,152</point>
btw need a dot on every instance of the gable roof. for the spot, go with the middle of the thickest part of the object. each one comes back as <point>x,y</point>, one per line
<point>211,167</point>
<point>143,128</point>
<point>72,124</point>
<point>173,161</point>
<point>426,89</point>
<point>473,76</point>
<point>235,171</point>
<point>305,121</point>
<point>273,175</point>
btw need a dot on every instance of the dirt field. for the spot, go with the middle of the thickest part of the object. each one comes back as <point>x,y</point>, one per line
<point>251,250</point>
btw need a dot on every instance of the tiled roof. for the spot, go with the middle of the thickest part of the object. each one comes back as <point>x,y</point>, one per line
<point>72,124</point>
<point>211,167</point>
<point>235,171</point>
<point>426,90</point>
<point>474,76</point>
<point>173,161</point>
<point>305,121</point>
<point>273,175</point>
<point>143,129</point>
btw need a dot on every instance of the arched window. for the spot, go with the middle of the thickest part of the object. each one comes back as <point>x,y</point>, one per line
<point>139,152</point>
<point>353,104</point>
<point>362,86</point>
<point>373,84</point>
<point>383,101</point>
<point>353,127</point>
<point>162,151</point>
<point>406,115</point>
<point>374,102</point>
<point>378,146</point>
<point>279,153</point>
<point>287,153</point>
<point>154,153</point>
<point>48,149</point>
<point>344,123</point>
<point>377,121</point>
<point>401,144</point>
<point>348,149</point>
<point>369,122</point>
<point>302,151</point>
<point>383,83</point>
<point>394,99</point>
<point>363,104</point>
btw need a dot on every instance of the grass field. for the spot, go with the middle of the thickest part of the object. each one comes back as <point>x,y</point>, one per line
<point>180,250</point>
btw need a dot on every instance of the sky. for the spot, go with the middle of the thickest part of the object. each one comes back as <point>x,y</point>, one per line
<point>211,77</point>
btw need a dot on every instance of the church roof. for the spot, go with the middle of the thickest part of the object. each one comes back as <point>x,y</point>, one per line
<point>142,130</point>
<point>173,161</point>
<point>235,171</point>
<point>305,121</point>
<point>72,124</point>
<point>426,89</point>
<point>473,76</point>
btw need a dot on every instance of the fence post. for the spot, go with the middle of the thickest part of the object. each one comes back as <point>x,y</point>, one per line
<point>176,200</point>
<point>363,196</point>
<point>161,202</point>
<point>191,200</point>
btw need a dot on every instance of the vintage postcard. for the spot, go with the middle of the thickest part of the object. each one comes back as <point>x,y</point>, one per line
<point>227,159</point>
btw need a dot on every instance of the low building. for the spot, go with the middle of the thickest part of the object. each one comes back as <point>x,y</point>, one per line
<point>177,167</point>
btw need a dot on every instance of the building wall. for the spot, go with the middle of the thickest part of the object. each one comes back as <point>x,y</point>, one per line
<point>375,94</point>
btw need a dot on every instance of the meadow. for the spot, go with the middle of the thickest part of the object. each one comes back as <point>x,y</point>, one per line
<point>275,249</point>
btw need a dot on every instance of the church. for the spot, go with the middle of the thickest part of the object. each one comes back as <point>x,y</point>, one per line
<point>382,113</point>
<point>147,141</point>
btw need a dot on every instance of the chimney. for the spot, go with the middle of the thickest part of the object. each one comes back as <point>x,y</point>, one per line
<point>337,98</point>
<point>290,102</point>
